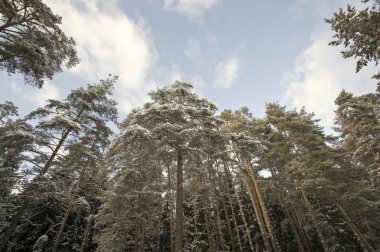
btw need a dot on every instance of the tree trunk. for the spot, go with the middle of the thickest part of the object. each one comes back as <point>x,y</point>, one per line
<point>314,219</point>
<point>179,204</point>
<point>268,224</point>
<point>363,242</point>
<point>170,201</point>
<point>63,224</point>
<point>216,207</point>
<point>210,239</point>
<point>234,218</point>
<point>260,220</point>
<point>159,217</point>
<point>303,244</point>
<point>86,233</point>
<point>226,190</point>
<point>247,230</point>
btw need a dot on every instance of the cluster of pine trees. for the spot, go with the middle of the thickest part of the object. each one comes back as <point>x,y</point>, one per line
<point>178,176</point>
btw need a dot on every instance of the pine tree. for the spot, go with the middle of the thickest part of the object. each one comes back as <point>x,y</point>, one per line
<point>31,41</point>
<point>62,123</point>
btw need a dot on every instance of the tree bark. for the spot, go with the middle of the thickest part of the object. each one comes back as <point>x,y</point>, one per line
<point>363,242</point>
<point>260,220</point>
<point>314,219</point>
<point>268,224</point>
<point>179,204</point>
<point>210,239</point>
<point>247,230</point>
<point>172,243</point>
<point>303,244</point>
<point>86,233</point>
<point>62,227</point>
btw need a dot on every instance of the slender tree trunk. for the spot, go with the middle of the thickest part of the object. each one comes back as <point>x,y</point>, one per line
<point>63,224</point>
<point>216,207</point>
<point>159,217</point>
<point>234,218</point>
<point>170,200</point>
<point>220,245</point>
<point>210,239</point>
<point>142,239</point>
<point>302,233</point>
<point>303,244</point>
<point>73,194</point>
<point>229,225</point>
<point>314,219</point>
<point>260,220</point>
<point>253,193</point>
<point>226,190</point>
<point>268,224</point>
<point>295,231</point>
<point>90,220</point>
<point>363,242</point>
<point>247,230</point>
<point>179,204</point>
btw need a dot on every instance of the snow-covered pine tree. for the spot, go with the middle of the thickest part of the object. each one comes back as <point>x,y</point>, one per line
<point>178,129</point>
<point>58,125</point>
<point>16,139</point>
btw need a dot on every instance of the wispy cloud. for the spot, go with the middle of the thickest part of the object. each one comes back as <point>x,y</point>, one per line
<point>192,48</point>
<point>227,71</point>
<point>109,42</point>
<point>319,74</point>
<point>190,8</point>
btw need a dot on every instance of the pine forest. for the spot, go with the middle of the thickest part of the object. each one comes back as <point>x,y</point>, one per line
<point>177,174</point>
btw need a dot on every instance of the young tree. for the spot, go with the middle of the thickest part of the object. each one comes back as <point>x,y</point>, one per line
<point>31,41</point>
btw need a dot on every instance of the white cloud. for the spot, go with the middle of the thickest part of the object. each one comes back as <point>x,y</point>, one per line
<point>318,76</point>
<point>189,8</point>
<point>18,91</point>
<point>192,48</point>
<point>40,96</point>
<point>227,71</point>
<point>108,42</point>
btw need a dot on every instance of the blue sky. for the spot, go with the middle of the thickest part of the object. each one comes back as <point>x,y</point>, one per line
<point>235,53</point>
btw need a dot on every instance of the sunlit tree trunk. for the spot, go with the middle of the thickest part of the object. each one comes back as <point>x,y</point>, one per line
<point>260,220</point>
<point>268,224</point>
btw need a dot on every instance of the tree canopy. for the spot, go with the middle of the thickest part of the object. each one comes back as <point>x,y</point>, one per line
<point>31,41</point>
